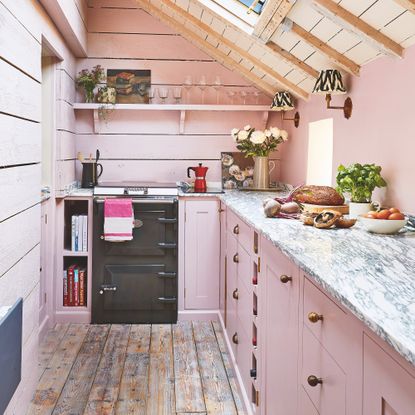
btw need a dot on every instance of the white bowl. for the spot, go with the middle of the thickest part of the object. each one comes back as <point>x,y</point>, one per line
<point>384,226</point>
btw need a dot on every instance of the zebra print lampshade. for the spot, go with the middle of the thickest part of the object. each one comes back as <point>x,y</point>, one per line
<point>329,81</point>
<point>282,102</point>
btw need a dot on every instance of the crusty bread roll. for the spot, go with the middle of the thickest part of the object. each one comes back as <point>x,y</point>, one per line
<point>318,195</point>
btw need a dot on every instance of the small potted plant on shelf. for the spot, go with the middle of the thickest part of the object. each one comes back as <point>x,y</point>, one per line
<point>89,79</point>
<point>259,144</point>
<point>359,181</point>
<point>107,97</point>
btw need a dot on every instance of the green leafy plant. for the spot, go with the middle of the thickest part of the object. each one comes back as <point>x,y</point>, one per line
<point>253,142</point>
<point>359,181</point>
<point>89,79</point>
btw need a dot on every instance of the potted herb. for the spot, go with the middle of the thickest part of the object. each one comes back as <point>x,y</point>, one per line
<point>258,144</point>
<point>359,181</point>
<point>89,79</point>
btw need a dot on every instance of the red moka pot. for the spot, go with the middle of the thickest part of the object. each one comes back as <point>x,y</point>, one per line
<point>200,182</point>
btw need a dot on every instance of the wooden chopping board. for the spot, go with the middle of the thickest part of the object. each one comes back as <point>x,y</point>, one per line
<point>344,209</point>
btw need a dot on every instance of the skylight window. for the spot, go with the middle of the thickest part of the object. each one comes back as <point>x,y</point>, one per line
<point>258,7</point>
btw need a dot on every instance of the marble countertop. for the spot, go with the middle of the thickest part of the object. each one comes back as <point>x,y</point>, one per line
<point>371,275</point>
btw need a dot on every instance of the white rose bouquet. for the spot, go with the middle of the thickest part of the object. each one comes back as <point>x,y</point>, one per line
<point>253,142</point>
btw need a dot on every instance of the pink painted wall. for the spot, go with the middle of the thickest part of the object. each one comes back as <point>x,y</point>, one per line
<point>381,129</point>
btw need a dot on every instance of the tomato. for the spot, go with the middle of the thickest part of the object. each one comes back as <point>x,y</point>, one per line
<point>371,215</point>
<point>372,212</point>
<point>394,210</point>
<point>396,216</point>
<point>383,214</point>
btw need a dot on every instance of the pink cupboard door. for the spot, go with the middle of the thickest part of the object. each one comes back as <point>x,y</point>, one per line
<point>388,388</point>
<point>223,259</point>
<point>280,281</point>
<point>305,406</point>
<point>202,247</point>
<point>231,288</point>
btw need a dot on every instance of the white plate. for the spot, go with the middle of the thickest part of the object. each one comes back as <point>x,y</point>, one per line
<point>384,226</point>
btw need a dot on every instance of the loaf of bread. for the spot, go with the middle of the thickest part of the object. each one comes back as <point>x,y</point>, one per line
<point>318,195</point>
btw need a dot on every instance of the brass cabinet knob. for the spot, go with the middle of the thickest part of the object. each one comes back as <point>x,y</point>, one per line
<point>236,258</point>
<point>235,338</point>
<point>315,317</point>
<point>236,230</point>
<point>235,294</point>
<point>285,278</point>
<point>314,381</point>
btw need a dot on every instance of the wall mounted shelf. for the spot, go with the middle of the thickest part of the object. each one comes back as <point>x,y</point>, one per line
<point>181,108</point>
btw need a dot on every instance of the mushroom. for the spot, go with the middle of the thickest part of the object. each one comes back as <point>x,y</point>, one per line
<point>345,222</point>
<point>308,218</point>
<point>326,219</point>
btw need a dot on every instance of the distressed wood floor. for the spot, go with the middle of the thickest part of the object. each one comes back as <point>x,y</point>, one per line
<point>136,369</point>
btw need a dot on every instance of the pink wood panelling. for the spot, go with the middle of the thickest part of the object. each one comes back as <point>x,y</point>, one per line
<point>379,131</point>
<point>24,49</point>
<point>66,145</point>
<point>278,334</point>
<point>20,94</point>
<point>65,85</point>
<point>142,46</point>
<point>65,173</point>
<point>19,141</point>
<point>170,71</point>
<point>155,146</point>
<point>65,116</point>
<point>20,187</point>
<point>123,20</point>
<point>388,388</point>
<point>202,254</point>
<point>305,406</point>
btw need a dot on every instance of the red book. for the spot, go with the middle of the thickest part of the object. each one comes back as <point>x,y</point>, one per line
<point>82,286</point>
<point>65,287</point>
<point>71,300</point>
<point>76,286</point>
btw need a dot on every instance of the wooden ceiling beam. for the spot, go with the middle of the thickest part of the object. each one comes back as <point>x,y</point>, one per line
<point>354,24</point>
<point>285,83</point>
<point>289,57</point>
<point>206,47</point>
<point>272,15</point>
<point>335,56</point>
<point>407,4</point>
<point>276,51</point>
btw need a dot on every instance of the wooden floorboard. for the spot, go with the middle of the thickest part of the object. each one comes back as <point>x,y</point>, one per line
<point>188,385</point>
<point>216,387</point>
<point>54,377</point>
<point>181,369</point>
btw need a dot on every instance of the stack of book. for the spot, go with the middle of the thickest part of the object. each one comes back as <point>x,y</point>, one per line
<point>79,234</point>
<point>74,286</point>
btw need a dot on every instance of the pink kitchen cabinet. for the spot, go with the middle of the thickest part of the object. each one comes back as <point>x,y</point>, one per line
<point>389,389</point>
<point>279,287</point>
<point>223,261</point>
<point>202,236</point>
<point>231,289</point>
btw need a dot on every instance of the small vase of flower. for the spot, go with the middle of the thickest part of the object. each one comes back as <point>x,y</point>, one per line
<point>89,79</point>
<point>259,144</point>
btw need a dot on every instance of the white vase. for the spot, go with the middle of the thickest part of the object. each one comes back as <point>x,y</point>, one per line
<point>356,209</point>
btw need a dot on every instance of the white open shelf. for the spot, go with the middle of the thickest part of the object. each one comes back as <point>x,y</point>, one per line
<point>181,108</point>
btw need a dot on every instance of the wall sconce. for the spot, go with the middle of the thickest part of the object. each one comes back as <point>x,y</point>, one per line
<point>283,102</point>
<point>330,82</point>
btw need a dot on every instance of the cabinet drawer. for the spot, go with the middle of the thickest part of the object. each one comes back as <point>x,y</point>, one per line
<point>329,397</point>
<point>241,230</point>
<point>324,318</point>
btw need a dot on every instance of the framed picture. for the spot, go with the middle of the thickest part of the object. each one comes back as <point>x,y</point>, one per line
<point>237,171</point>
<point>132,85</point>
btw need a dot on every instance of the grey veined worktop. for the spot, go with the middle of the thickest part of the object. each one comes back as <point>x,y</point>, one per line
<point>372,275</point>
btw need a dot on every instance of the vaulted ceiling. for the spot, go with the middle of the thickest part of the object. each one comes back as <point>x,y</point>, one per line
<point>285,46</point>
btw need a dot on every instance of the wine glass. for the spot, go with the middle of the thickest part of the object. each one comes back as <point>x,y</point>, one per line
<point>244,96</point>
<point>152,94</point>
<point>202,86</point>
<point>231,95</point>
<point>188,83</point>
<point>163,94</point>
<point>217,85</point>
<point>177,94</point>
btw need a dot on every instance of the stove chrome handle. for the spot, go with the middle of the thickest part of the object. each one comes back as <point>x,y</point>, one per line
<point>167,299</point>
<point>167,220</point>
<point>107,288</point>
<point>145,200</point>
<point>164,274</point>
<point>167,245</point>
